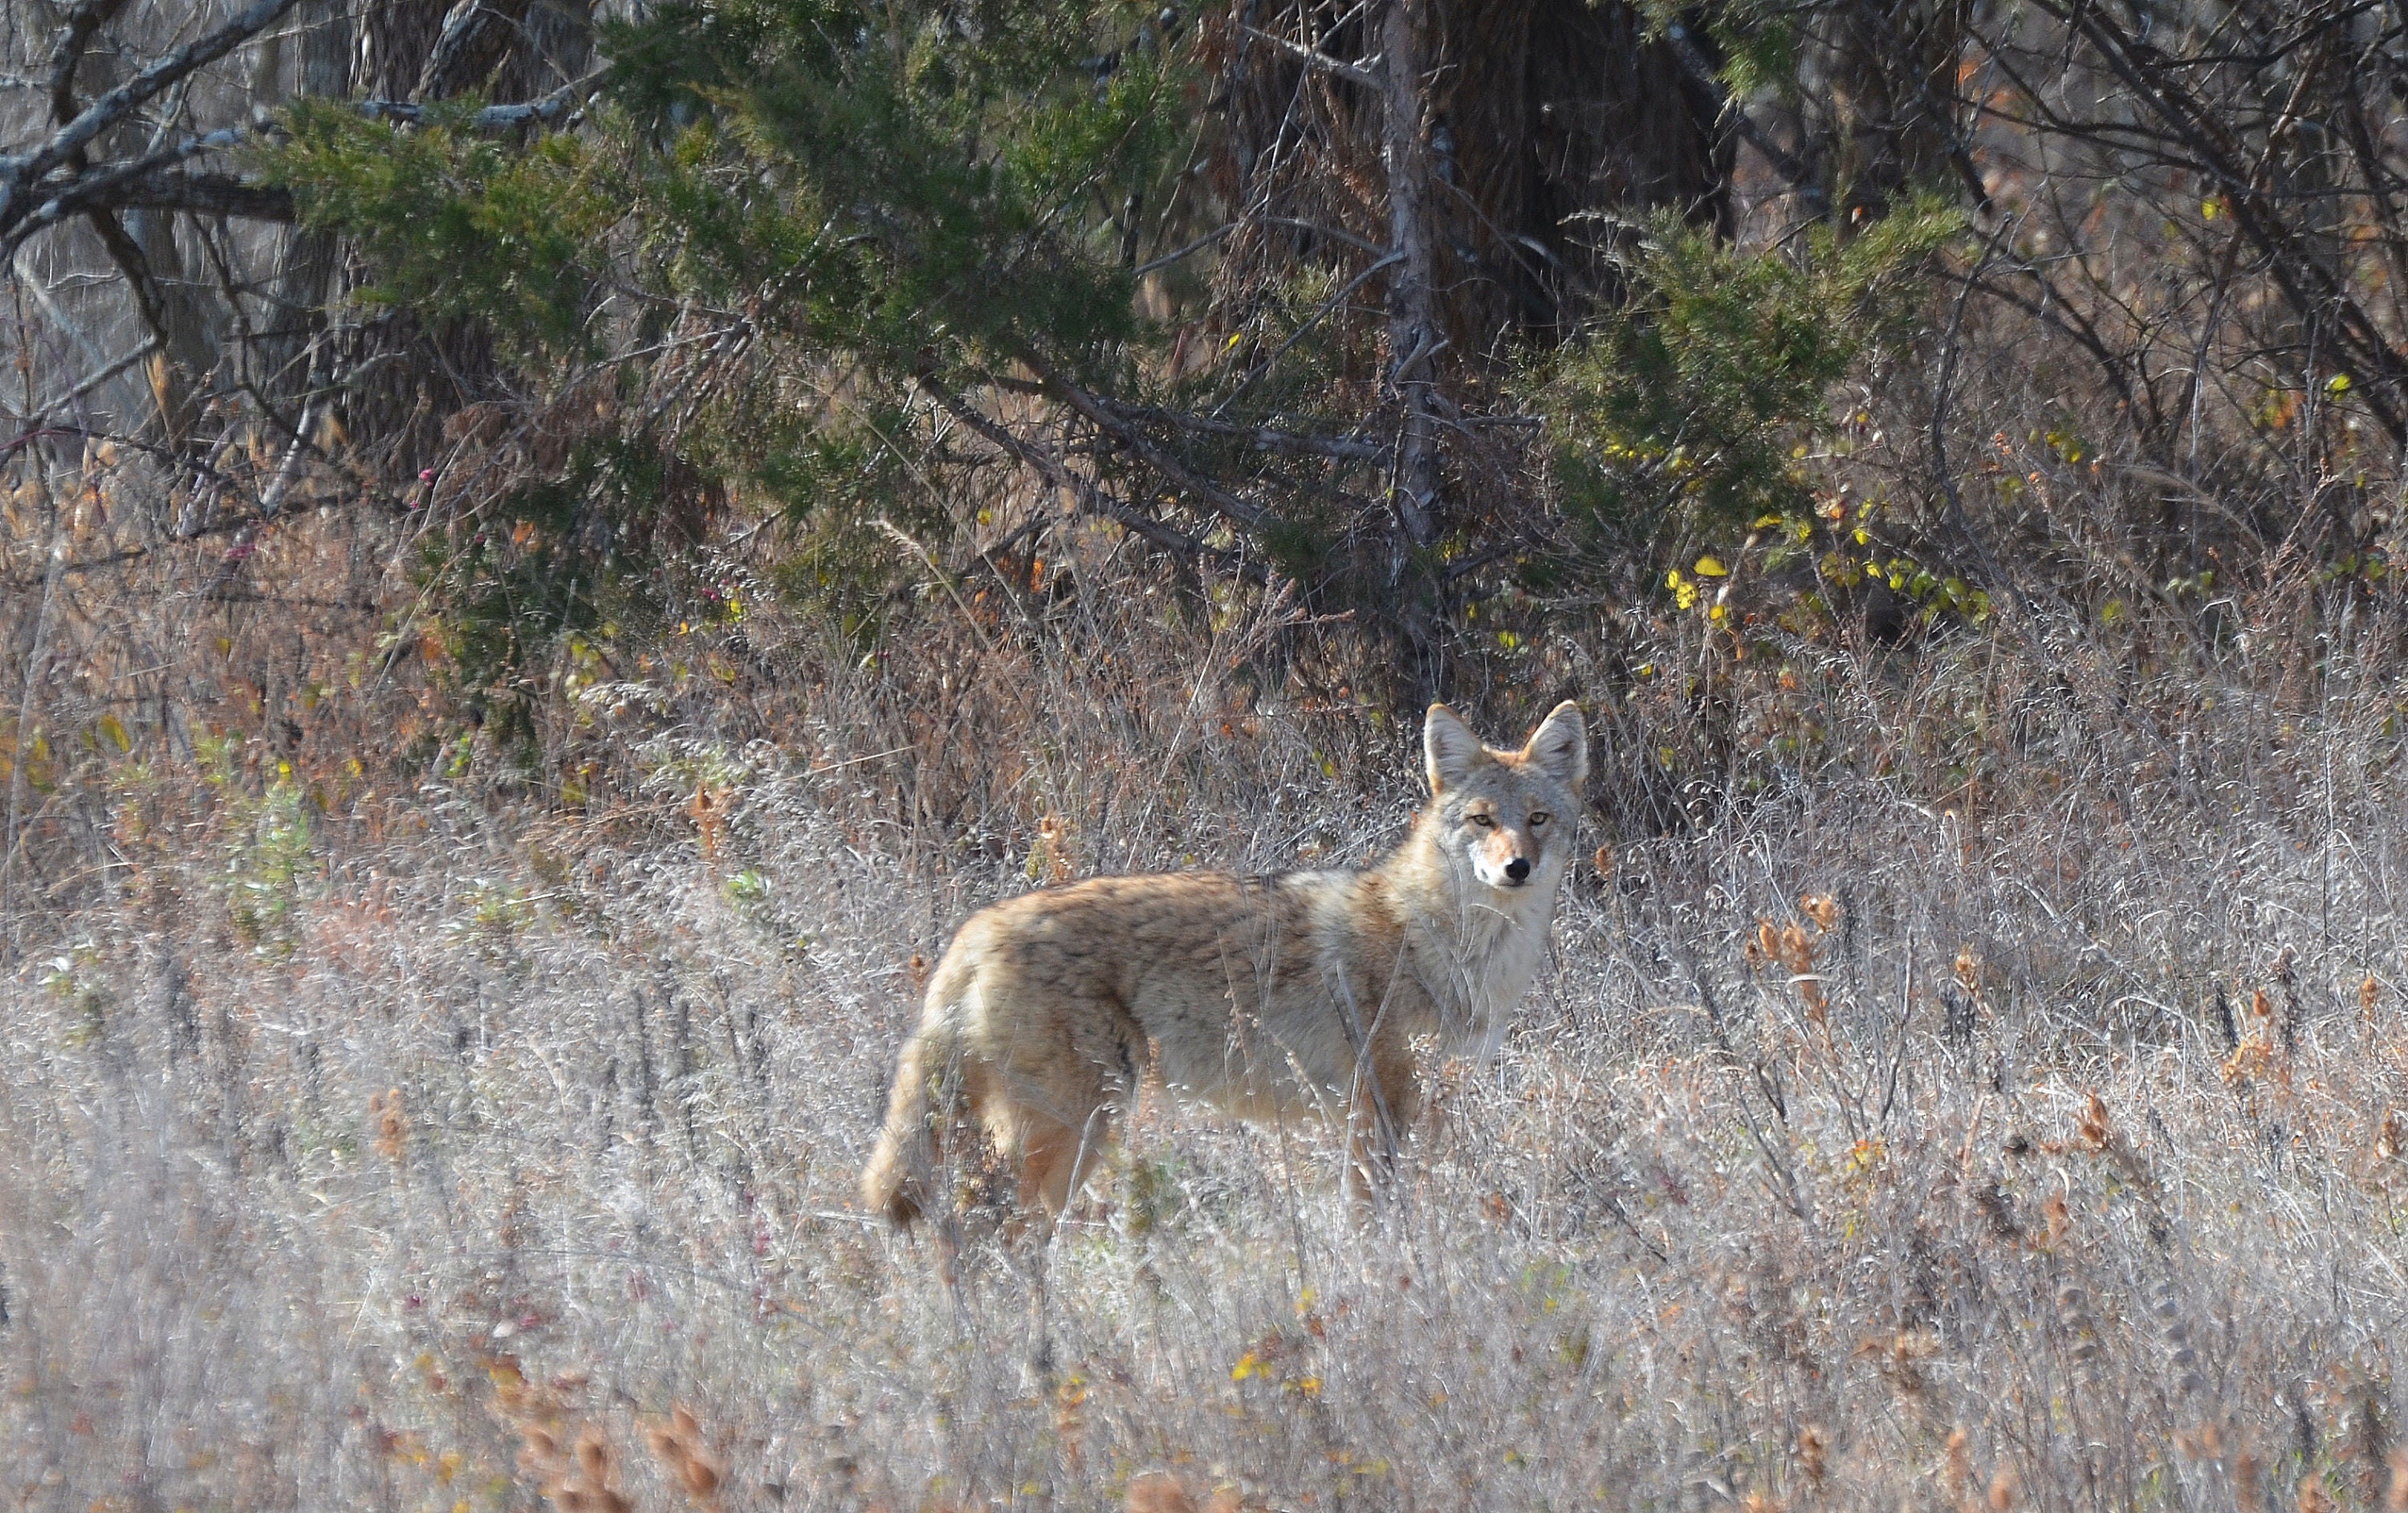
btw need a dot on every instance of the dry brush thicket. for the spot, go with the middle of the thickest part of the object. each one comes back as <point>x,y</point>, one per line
<point>1970,1072</point>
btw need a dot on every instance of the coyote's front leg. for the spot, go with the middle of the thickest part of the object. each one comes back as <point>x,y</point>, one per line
<point>1380,1111</point>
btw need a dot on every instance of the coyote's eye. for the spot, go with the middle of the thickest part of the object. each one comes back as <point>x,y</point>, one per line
<point>1538,818</point>
<point>1485,821</point>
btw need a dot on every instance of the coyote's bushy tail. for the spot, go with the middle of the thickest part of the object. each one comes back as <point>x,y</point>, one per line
<point>896,1181</point>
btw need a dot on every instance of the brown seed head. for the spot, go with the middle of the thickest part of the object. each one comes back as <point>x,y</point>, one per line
<point>678,1444</point>
<point>393,1127</point>
<point>2097,1133</point>
<point>1764,946</point>
<point>593,1455</point>
<point>1960,1464</point>
<point>2002,1491</point>
<point>1814,1450</point>
<point>1822,910</point>
<point>1158,1491</point>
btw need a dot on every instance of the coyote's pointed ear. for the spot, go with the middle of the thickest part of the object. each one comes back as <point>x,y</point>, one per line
<point>1560,747</point>
<point>1449,750</point>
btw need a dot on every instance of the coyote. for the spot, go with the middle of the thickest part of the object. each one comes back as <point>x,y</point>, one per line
<point>1268,997</point>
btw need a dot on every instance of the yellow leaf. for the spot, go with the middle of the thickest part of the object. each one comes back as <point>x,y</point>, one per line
<point>1711,568</point>
<point>110,727</point>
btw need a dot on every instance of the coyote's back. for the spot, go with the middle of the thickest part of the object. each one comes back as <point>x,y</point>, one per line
<point>1267,997</point>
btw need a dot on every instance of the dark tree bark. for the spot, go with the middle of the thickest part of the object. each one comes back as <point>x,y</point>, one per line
<point>413,380</point>
<point>1474,167</point>
<point>1878,82</point>
<point>1568,123</point>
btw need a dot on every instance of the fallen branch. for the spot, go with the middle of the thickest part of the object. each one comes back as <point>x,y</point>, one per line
<point>1354,73</point>
<point>1237,511</point>
<point>1088,498</point>
<point>1260,437</point>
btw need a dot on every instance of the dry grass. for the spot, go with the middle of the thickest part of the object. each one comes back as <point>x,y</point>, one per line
<point>2002,1110</point>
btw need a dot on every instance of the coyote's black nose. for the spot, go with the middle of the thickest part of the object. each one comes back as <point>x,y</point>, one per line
<point>1518,868</point>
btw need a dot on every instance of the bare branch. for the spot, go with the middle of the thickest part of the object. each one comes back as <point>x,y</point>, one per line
<point>552,109</point>
<point>1179,255</point>
<point>20,176</point>
<point>1413,338</point>
<point>1354,73</point>
<point>1240,512</point>
<point>1701,69</point>
<point>1260,437</point>
<point>42,412</point>
<point>82,21</point>
<point>148,182</point>
<point>1090,498</point>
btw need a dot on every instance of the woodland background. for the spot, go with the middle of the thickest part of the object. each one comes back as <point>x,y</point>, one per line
<point>552,552</point>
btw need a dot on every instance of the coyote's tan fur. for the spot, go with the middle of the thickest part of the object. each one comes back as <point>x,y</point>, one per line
<point>1268,997</point>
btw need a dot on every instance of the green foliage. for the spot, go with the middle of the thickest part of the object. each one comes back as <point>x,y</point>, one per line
<point>1692,406</point>
<point>557,556</point>
<point>80,978</point>
<point>917,188</point>
<point>849,197</point>
<point>270,847</point>
<point>1756,40</point>
<point>458,224</point>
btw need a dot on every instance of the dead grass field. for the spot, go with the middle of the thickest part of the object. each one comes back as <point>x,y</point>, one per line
<point>2004,1112</point>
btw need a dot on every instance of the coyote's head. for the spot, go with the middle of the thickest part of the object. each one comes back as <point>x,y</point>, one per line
<point>1506,817</point>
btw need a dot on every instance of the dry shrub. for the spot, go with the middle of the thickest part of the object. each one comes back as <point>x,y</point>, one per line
<point>1873,1086</point>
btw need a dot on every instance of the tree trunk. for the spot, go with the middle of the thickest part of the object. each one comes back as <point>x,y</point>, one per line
<point>307,261</point>
<point>510,50</point>
<point>1886,78</point>
<point>1414,339</point>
